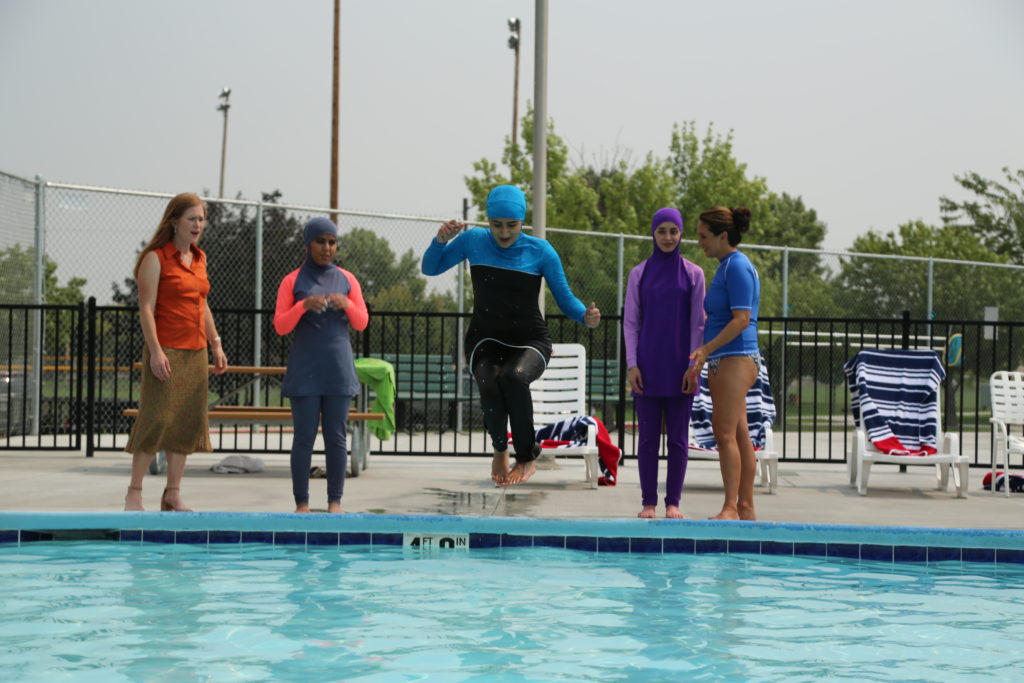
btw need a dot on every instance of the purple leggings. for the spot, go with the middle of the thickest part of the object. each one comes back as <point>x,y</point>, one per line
<point>649,411</point>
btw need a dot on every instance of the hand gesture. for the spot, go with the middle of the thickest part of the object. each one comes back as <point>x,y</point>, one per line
<point>316,304</point>
<point>449,230</point>
<point>159,365</point>
<point>593,315</point>
<point>635,381</point>
<point>337,301</point>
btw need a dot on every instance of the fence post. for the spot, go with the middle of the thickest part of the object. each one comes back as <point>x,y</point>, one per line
<point>38,296</point>
<point>785,282</point>
<point>257,333</point>
<point>620,411</point>
<point>905,324</point>
<point>90,379</point>
<point>79,374</point>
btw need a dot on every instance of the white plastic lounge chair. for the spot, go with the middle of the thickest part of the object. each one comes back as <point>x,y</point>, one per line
<point>895,402</point>
<point>760,418</point>
<point>561,393</point>
<point>1007,392</point>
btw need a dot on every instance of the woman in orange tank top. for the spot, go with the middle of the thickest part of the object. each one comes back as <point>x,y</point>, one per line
<point>177,326</point>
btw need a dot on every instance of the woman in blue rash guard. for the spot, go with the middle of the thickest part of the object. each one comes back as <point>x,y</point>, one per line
<point>507,343</point>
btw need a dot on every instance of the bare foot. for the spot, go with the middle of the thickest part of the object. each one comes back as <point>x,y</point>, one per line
<point>133,500</point>
<point>746,511</point>
<point>334,508</point>
<point>673,512</point>
<point>647,512</point>
<point>728,512</point>
<point>520,473</point>
<point>499,468</point>
<point>302,508</point>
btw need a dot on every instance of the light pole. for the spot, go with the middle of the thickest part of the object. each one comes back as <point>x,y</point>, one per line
<point>513,43</point>
<point>225,94</point>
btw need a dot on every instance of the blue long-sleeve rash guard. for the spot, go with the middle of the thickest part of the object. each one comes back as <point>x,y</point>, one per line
<point>506,286</point>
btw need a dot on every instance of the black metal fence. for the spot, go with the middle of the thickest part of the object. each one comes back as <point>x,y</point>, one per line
<point>67,376</point>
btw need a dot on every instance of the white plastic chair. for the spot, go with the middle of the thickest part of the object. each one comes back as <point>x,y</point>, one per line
<point>1007,392</point>
<point>863,454</point>
<point>561,393</point>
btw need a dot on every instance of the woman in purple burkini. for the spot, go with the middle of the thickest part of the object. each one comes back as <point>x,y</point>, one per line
<point>664,322</point>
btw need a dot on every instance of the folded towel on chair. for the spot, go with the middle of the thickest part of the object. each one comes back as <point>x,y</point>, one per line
<point>573,432</point>
<point>894,396</point>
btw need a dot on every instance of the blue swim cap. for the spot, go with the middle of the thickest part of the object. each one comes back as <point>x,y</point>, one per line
<point>318,226</point>
<point>506,201</point>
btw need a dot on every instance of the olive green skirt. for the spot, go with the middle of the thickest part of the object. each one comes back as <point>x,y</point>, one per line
<point>172,414</point>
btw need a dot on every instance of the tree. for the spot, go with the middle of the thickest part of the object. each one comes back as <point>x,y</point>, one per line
<point>17,279</point>
<point>996,217</point>
<point>616,198</point>
<point>888,287</point>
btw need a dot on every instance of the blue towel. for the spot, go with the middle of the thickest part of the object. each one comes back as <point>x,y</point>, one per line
<point>894,396</point>
<point>760,411</point>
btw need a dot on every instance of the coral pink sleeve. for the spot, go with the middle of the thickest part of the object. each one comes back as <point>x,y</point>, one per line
<point>288,311</point>
<point>358,317</point>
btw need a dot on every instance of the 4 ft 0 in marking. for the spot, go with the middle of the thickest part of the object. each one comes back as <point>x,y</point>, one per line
<point>436,541</point>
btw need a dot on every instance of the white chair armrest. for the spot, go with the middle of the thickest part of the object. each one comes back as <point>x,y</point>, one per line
<point>950,443</point>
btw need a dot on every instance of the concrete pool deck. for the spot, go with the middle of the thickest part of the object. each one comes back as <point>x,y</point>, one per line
<point>439,485</point>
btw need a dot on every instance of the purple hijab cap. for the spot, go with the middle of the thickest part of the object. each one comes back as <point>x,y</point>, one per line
<point>667,214</point>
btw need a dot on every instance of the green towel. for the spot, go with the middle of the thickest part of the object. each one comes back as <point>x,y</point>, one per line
<point>379,375</point>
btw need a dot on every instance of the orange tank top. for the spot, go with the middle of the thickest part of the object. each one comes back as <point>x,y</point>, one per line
<point>181,299</point>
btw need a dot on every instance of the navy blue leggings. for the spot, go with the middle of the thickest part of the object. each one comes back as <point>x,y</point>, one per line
<point>306,416</point>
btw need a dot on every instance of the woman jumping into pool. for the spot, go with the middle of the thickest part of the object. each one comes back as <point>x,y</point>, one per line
<point>507,343</point>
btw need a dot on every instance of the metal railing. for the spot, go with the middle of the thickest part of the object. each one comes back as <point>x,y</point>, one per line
<point>77,395</point>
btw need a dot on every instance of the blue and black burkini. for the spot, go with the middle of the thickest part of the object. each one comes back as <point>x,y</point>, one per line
<point>507,343</point>
<point>320,382</point>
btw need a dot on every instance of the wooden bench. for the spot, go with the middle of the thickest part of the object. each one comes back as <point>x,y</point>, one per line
<point>359,438</point>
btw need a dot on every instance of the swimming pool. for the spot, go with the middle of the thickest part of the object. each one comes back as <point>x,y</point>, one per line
<point>248,597</point>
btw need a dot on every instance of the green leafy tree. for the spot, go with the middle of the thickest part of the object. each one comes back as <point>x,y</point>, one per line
<point>887,287</point>
<point>17,279</point>
<point>996,216</point>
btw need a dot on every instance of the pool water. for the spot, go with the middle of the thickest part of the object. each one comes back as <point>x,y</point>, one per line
<point>95,611</point>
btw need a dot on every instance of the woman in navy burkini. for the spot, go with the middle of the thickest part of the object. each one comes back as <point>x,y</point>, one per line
<point>663,322</point>
<point>730,349</point>
<point>507,343</point>
<point>320,302</point>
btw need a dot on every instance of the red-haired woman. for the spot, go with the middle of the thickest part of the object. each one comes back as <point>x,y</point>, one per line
<point>177,326</point>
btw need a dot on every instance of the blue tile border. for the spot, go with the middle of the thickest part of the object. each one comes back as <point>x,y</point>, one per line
<point>860,543</point>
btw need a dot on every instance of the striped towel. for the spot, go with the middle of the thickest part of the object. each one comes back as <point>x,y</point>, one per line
<point>573,431</point>
<point>760,412</point>
<point>894,396</point>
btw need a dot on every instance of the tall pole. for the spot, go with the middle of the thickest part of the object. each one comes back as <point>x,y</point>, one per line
<point>540,125</point>
<point>225,104</point>
<point>513,42</point>
<point>334,108</point>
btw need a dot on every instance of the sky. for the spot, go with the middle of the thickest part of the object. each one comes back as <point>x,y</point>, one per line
<point>866,109</point>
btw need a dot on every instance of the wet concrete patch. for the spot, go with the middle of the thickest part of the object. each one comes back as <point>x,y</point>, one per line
<point>500,502</point>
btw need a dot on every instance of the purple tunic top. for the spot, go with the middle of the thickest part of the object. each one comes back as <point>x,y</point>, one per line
<point>664,320</point>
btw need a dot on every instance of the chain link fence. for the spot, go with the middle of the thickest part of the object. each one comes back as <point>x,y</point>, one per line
<point>96,234</point>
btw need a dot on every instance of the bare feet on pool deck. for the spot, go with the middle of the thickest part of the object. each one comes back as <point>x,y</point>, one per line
<point>520,473</point>
<point>334,508</point>
<point>728,512</point>
<point>747,512</point>
<point>647,512</point>
<point>499,468</point>
<point>673,512</point>
<point>302,508</point>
